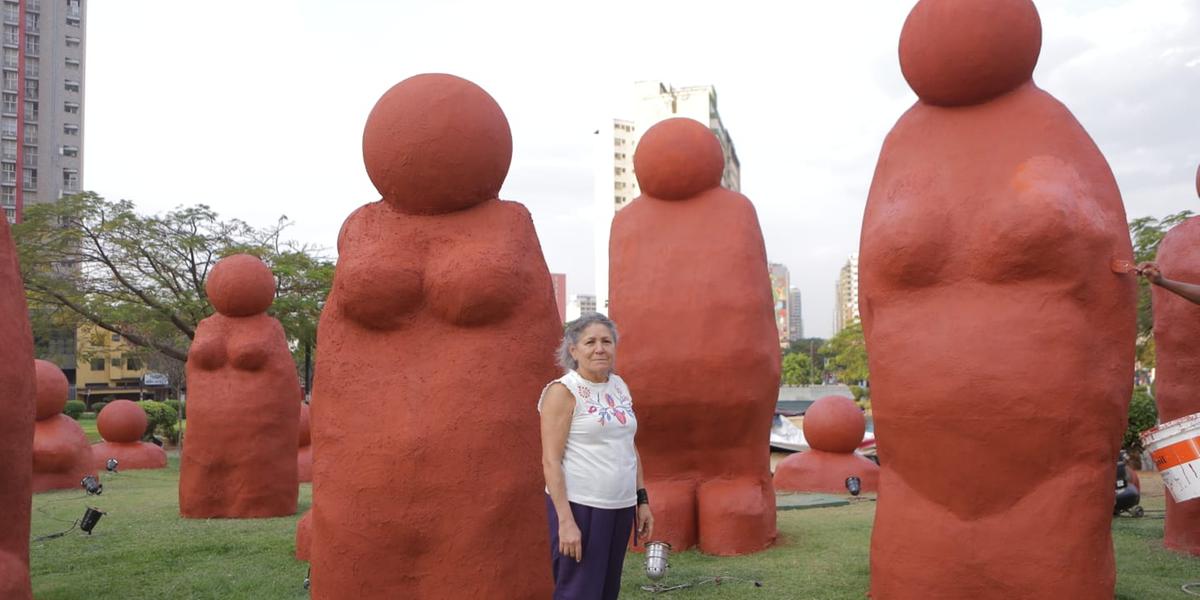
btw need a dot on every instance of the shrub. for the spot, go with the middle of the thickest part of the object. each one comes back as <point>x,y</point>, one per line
<point>98,406</point>
<point>859,392</point>
<point>74,409</point>
<point>176,406</point>
<point>160,419</point>
<point>1143,415</point>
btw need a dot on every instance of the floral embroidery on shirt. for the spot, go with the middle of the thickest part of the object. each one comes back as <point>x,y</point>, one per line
<point>584,392</point>
<point>610,409</point>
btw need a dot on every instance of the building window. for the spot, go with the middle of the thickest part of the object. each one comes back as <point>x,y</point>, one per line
<point>73,13</point>
<point>12,12</point>
<point>30,157</point>
<point>12,35</point>
<point>11,58</point>
<point>31,111</point>
<point>30,179</point>
<point>31,45</point>
<point>8,150</point>
<point>31,132</point>
<point>70,180</point>
<point>71,151</point>
<point>97,364</point>
<point>133,364</point>
<point>70,86</point>
<point>10,104</point>
<point>10,81</point>
<point>32,67</point>
<point>31,22</point>
<point>72,64</point>
<point>618,170</point>
<point>8,127</point>
<point>72,42</point>
<point>71,107</point>
<point>70,129</point>
<point>8,196</point>
<point>8,173</point>
<point>31,89</point>
<point>117,362</point>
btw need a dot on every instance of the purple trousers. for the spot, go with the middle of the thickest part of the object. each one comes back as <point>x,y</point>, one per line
<point>605,535</point>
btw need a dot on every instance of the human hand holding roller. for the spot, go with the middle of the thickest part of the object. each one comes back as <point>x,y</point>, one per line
<point>1187,291</point>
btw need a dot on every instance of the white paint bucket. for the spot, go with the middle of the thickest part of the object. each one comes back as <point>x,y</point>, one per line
<point>1175,448</point>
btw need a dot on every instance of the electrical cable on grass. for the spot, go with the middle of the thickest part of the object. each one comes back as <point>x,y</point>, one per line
<point>718,580</point>
<point>57,535</point>
<point>1191,589</point>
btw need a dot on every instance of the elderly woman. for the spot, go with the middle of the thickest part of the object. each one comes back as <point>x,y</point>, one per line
<point>593,471</point>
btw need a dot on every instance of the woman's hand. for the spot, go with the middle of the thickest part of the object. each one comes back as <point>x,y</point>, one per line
<point>1150,271</point>
<point>570,540</point>
<point>645,522</point>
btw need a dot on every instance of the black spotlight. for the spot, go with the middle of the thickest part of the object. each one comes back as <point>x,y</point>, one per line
<point>90,518</point>
<point>853,485</point>
<point>111,465</point>
<point>92,485</point>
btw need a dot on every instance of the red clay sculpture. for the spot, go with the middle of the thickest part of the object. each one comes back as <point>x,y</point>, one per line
<point>1000,339</point>
<point>433,348</point>
<point>62,456</point>
<point>1177,352</point>
<point>239,452</point>
<point>699,348</point>
<point>304,453</point>
<point>122,423</point>
<point>833,427</point>
<point>17,410</point>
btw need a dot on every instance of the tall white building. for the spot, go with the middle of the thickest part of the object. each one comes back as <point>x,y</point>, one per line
<point>579,305</point>
<point>615,182</point>
<point>845,307</point>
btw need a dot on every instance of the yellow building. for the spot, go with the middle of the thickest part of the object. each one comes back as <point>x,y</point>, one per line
<point>109,368</point>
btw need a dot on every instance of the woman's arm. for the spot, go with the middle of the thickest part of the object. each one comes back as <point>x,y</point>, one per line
<point>558,407</point>
<point>645,519</point>
<point>1187,291</point>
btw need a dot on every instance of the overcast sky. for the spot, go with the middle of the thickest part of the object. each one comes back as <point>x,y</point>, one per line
<point>257,108</point>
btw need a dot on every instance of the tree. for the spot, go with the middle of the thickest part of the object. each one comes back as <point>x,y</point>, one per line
<point>798,370</point>
<point>1147,233</point>
<point>85,259</point>
<point>846,354</point>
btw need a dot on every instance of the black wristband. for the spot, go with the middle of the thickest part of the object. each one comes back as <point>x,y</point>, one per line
<point>642,496</point>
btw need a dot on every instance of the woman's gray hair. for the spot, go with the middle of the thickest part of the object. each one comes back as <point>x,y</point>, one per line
<point>574,330</point>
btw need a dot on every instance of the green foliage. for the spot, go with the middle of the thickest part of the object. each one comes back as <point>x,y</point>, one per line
<point>859,392</point>
<point>85,259</point>
<point>1146,234</point>
<point>1143,415</point>
<point>177,407</point>
<point>98,406</point>
<point>74,409</point>
<point>798,370</point>
<point>161,419</point>
<point>846,354</point>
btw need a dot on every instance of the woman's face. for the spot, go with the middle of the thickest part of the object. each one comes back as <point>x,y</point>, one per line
<point>596,351</point>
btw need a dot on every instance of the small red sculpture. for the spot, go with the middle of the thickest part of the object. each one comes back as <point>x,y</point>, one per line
<point>1000,339</point>
<point>17,410</point>
<point>304,453</point>
<point>239,452</point>
<point>1177,354</point>
<point>433,349</point>
<point>833,427</point>
<point>122,423</point>
<point>699,348</point>
<point>62,456</point>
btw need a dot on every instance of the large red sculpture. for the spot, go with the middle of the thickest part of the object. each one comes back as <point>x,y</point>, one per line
<point>833,427</point>
<point>304,451</point>
<point>1177,354</point>
<point>690,291</point>
<point>1000,339</point>
<point>433,348</point>
<point>62,456</point>
<point>17,409</point>
<point>122,423</point>
<point>239,455</point>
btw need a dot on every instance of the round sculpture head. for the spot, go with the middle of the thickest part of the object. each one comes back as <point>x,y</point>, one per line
<point>677,159</point>
<point>51,389</point>
<point>834,424</point>
<point>121,421</point>
<point>305,425</point>
<point>955,53</point>
<point>435,144</point>
<point>240,285</point>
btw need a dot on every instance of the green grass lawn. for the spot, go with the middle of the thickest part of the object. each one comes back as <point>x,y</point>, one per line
<point>142,549</point>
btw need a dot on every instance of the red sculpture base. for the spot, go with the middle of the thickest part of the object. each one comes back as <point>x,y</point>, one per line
<point>61,454</point>
<point>129,455</point>
<point>820,471</point>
